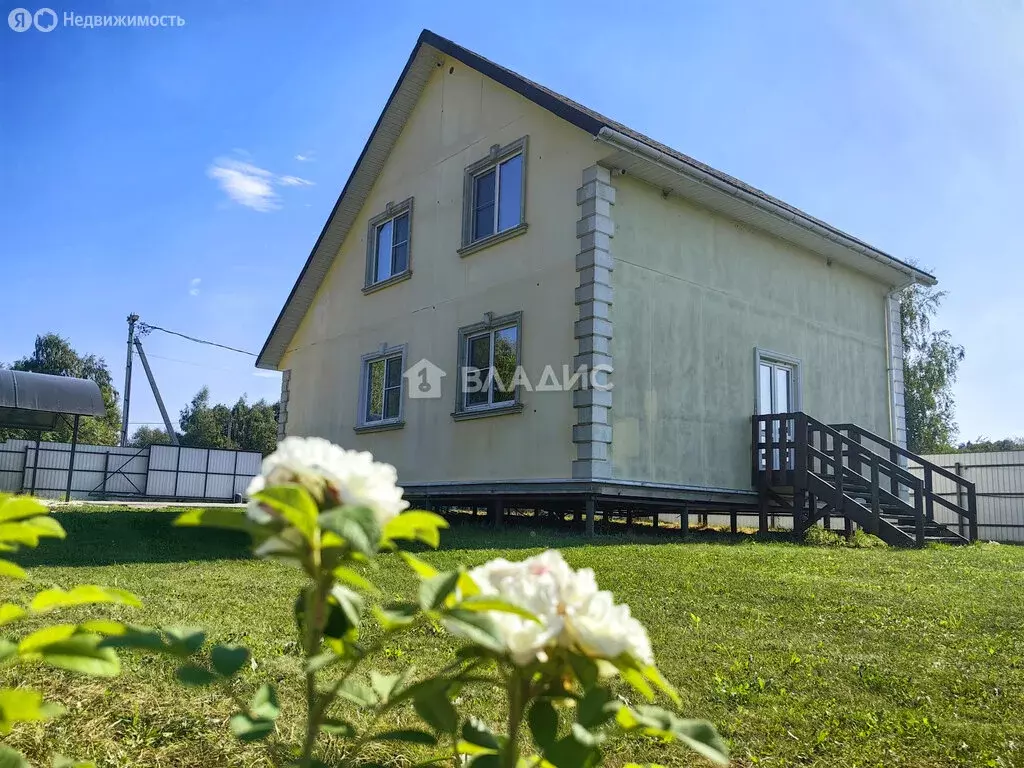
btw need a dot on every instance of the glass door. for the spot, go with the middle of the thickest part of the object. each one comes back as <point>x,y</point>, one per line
<point>776,393</point>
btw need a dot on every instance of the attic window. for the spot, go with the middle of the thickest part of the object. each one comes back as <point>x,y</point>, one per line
<point>389,246</point>
<point>494,200</point>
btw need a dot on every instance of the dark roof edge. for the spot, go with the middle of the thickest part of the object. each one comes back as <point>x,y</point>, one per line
<point>260,362</point>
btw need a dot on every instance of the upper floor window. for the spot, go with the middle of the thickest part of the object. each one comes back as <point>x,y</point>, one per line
<point>389,244</point>
<point>495,196</point>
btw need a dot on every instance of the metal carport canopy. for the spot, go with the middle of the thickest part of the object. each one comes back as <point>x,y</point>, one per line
<point>34,400</point>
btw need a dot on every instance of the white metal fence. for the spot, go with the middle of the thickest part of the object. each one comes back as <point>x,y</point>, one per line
<point>999,479</point>
<point>104,471</point>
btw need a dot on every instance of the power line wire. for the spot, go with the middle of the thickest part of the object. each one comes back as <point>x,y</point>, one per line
<point>145,328</point>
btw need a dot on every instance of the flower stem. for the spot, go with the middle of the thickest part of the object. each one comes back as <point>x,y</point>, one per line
<point>310,646</point>
<point>517,690</point>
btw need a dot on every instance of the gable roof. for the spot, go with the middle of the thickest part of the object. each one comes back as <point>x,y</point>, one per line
<point>644,157</point>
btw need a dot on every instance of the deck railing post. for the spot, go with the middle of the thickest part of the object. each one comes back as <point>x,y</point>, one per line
<point>894,483</point>
<point>958,468</point>
<point>800,470</point>
<point>972,510</point>
<point>837,460</point>
<point>876,512</point>
<point>919,512</point>
<point>929,499</point>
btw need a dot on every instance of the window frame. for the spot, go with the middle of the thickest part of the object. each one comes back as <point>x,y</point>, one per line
<point>489,326</point>
<point>385,353</point>
<point>392,212</point>
<point>497,155</point>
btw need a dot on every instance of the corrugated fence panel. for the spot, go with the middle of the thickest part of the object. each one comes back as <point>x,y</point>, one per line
<point>998,477</point>
<point>102,471</point>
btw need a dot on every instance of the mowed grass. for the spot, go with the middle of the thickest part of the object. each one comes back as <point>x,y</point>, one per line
<point>799,655</point>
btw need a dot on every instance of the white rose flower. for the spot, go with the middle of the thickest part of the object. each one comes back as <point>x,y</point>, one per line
<point>349,477</point>
<point>572,612</point>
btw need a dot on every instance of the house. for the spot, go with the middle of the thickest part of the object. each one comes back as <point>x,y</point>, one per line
<point>491,225</point>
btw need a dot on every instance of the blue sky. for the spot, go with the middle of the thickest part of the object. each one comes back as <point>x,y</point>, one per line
<point>184,173</point>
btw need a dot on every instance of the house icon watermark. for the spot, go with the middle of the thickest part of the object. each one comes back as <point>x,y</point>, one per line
<point>423,380</point>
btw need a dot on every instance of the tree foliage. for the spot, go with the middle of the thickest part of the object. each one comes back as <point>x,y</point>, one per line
<point>243,426</point>
<point>144,436</point>
<point>930,364</point>
<point>984,445</point>
<point>54,355</point>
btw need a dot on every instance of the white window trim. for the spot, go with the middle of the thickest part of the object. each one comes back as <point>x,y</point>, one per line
<point>395,422</point>
<point>494,159</point>
<point>490,325</point>
<point>392,212</point>
<point>768,356</point>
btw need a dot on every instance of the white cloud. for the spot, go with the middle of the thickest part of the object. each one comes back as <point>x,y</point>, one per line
<point>249,185</point>
<point>193,286</point>
<point>293,181</point>
<point>305,157</point>
<point>245,183</point>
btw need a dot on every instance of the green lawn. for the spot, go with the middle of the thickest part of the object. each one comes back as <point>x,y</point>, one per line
<point>799,655</point>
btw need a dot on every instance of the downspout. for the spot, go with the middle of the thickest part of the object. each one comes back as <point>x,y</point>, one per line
<point>622,142</point>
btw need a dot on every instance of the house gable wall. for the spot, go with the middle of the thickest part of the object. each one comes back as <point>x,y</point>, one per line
<point>459,116</point>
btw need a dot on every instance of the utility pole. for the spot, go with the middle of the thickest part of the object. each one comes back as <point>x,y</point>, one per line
<point>156,392</point>
<point>132,319</point>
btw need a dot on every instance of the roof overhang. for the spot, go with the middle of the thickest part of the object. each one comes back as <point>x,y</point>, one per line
<point>34,400</point>
<point>632,152</point>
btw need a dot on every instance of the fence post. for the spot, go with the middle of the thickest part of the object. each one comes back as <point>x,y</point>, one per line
<point>106,471</point>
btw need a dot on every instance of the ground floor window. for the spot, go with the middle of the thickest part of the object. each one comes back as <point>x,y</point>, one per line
<point>381,388</point>
<point>489,355</point>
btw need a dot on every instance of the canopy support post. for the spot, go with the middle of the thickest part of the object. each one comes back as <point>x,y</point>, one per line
<point>71,461</point>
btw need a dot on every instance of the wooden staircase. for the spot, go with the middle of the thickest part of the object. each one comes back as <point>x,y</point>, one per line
<point>814,471</point>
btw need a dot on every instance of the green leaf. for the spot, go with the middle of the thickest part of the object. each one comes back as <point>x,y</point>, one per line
<point>82,653</point>
<point>293,503</point>
<point>43,637</point>
<point>141,638</point>
<point>484,603</point>
<point>383,685</point>
<point>543,722</point>
<point>338,728</point>
<point>218,517</point>
<point>103,627</point>
<point>636,679</point>
<point>422,568</point>
<point>435,590</point>
<point>264,704</point>
<point>59,761</point>
<point>356,525</point>
<point>227,660</point>
<point>432,705</point>
<point>350,605</point>
<point>651,673</point>
<point>570,752</point>
<point>10,612</point>
<point>596,708</point>
<point>191,674</point>
<point>321,660</point>
<point>585,670</point>
<point>11,758</point>
<point>478,628</point>
<point>415,525</point>
<point>354,579</point>
<point>184,641</point>
<point>30,531</point>
<point>699,735</point>
<point>246,728</point>
<point>9,569</point>
<point>22,705</point>
<point>476,732</point>
<point>18,507</point>
<point>396,615</point>
<point>85,594</point>
<point>358,692</point>
<point>585,737</point>
<point>407,736</point>
<point>7,648</point>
